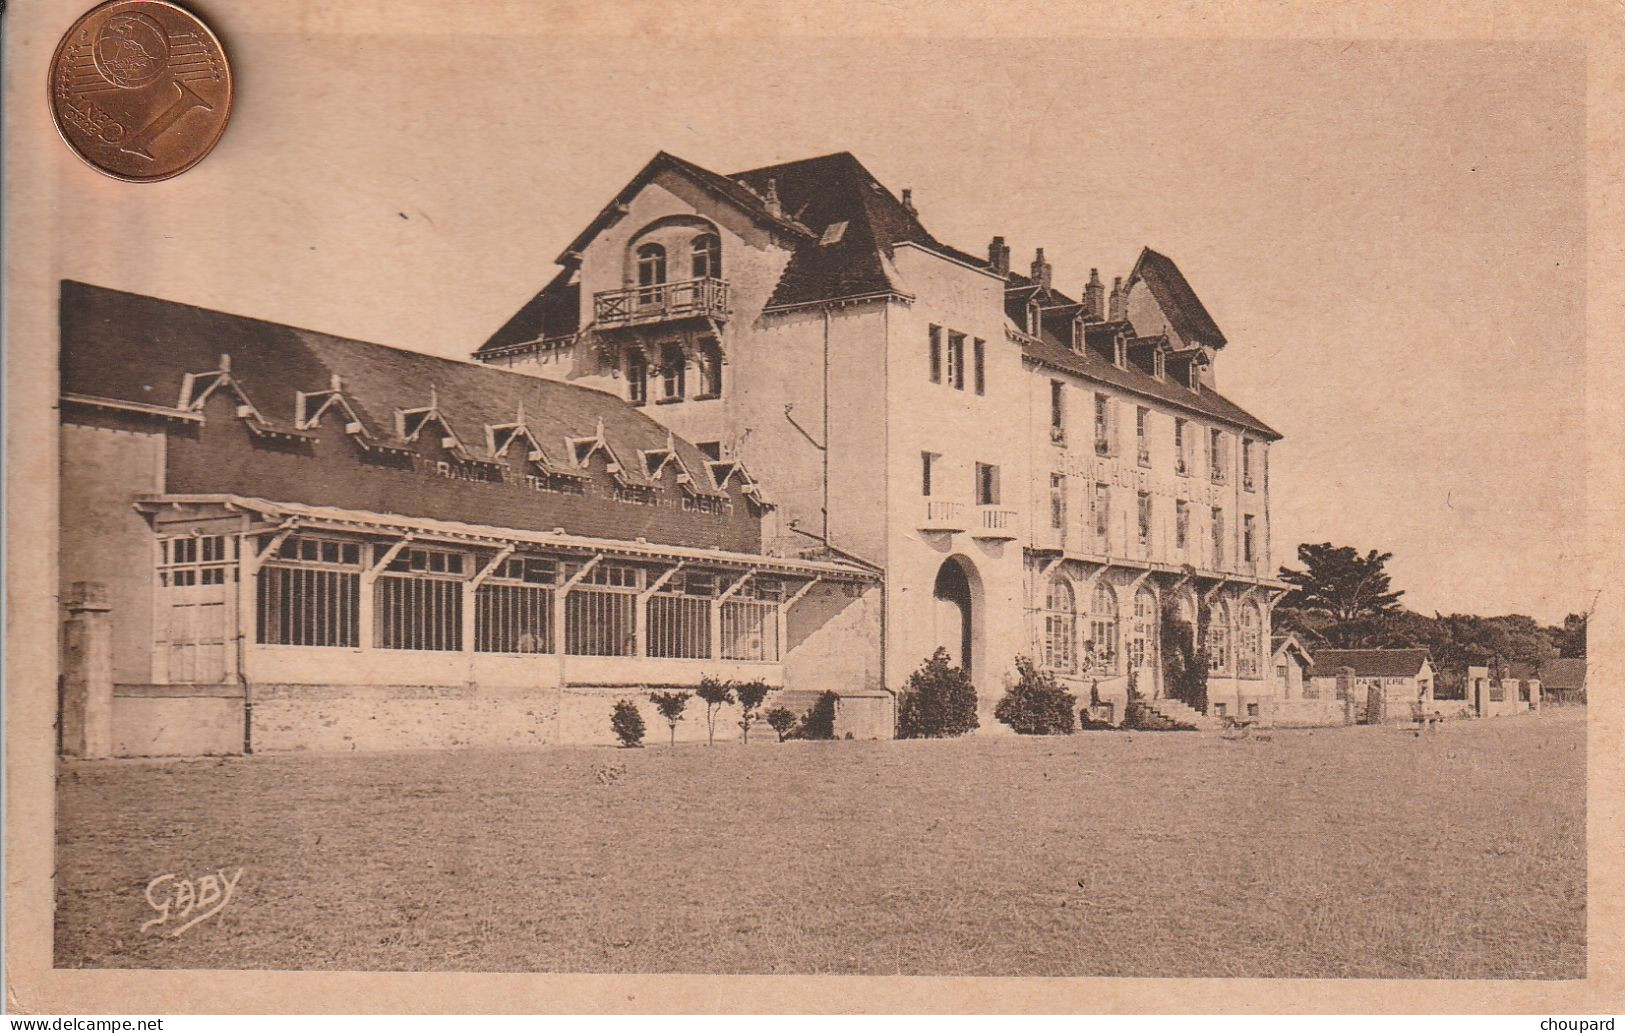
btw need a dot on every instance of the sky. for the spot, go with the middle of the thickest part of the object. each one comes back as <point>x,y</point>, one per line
<point>1390,235</point>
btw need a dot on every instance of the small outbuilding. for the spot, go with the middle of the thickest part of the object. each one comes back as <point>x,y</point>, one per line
<point>1382,684</point>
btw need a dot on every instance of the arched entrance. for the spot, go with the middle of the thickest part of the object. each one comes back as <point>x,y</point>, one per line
<point>952,613</point>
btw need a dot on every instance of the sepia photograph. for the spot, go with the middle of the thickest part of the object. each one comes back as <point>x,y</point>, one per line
<point>638,503</point>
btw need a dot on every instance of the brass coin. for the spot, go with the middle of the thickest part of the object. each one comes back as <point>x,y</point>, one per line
<point>140,89</point>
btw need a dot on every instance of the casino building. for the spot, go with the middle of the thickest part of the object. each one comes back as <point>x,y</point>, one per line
<point>757,426</point>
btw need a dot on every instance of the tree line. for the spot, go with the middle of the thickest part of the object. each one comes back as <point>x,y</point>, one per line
<point>1345,599</point>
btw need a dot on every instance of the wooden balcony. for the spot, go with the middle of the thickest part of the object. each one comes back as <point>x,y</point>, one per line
<point>660,303</point>
<point>941,515</point>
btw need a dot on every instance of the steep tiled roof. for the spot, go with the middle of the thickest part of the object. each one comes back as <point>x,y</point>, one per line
<point>1370,663</point>
<point>133,348</point>
<point>1185,311</point>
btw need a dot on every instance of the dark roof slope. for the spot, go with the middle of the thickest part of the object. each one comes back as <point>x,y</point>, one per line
<point>819,192</point>
<point>1370,663</point>
<point>133,348</point>
<point>554,312</point>
<point>1173,293</point>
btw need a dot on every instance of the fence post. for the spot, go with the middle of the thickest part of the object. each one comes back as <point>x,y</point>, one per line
<point>87,672</point>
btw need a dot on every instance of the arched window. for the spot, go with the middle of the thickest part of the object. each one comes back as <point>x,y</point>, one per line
<point>1218,637</point>
<point>707,252</point>
<point>710,368</point>
<point>1060,624</point>
<point>1250,642</point>
<point>1103,630</point>
<point>1142,646</point>
<point>651,273</point>
<point>637,377</point>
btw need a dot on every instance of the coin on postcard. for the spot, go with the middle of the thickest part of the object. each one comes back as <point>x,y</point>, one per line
<point>140,89</point>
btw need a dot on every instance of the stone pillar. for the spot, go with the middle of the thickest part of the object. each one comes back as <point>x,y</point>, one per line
<point>87,672</point>
<point>1345,692</point>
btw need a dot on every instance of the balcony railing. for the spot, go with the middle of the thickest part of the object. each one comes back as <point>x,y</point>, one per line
<point>996,523</point>
<point>943,515</point>
<point>658,303</point>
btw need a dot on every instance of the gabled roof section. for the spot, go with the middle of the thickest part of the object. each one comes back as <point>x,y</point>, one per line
<point>1290,641</point>
<point>751,204</point>
<point>139,351</point>
<point>1173,294</point>
<point>1370,663</point>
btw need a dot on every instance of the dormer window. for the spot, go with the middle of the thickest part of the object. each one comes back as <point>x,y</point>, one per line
<point>1194,376</point>
<point>1033,321</point>
<point>1120,352</point>
<point>707,255</point>
<point>1160,365</point>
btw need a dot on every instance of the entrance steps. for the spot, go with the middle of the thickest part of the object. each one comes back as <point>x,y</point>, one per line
<point>1168,715</point>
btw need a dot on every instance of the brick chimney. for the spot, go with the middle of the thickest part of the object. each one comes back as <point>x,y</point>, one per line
<point>1041,269</point>
<point>1094,298</point>
<point>1115,311</point>
<point>998,256</point>
<point>908,201</point>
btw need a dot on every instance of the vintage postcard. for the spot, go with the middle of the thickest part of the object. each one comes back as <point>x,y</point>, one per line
<point>1016,509</point>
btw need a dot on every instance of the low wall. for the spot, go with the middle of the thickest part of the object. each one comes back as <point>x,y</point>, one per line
<point>190,721</point>
<point>1310,713</point>
<point>179,721</point>
<point>1448,709</point>
<point>1504,708</point>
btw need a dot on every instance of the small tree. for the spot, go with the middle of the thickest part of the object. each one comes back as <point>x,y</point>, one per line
<point>1036,705</point>
<point>715,692</point>
<point>938,702</point>
<point>627,723</point>
<point>670,705</point>
<point>819,721</point>
<point>781,721</point>
<point>751,694</point>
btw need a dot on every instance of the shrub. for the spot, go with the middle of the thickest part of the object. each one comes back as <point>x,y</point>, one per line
<point>751,694</point>
<point>670,705</point>
<point>715,692</point>
<point>1036,705</point>
<point>627,723</point>
<point>781,721</point>
<point>938,702</point>
<point>819,721</point>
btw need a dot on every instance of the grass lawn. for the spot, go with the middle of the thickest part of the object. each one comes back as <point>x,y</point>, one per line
<point>1334,852</point>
